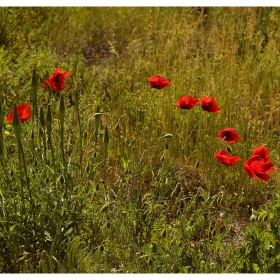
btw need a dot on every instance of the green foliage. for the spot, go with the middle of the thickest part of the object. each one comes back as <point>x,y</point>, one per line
<point>261,252</point>
<point>109,175</point>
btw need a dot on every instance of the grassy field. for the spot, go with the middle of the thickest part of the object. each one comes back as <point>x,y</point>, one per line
<point>108,175</point>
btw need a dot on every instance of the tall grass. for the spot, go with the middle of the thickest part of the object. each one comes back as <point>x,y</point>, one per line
<point>109,175</point>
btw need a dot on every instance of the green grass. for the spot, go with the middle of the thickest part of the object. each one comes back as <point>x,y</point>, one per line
<point>100,185</point>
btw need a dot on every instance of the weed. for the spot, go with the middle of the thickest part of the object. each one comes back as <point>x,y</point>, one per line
<point>107,174</point>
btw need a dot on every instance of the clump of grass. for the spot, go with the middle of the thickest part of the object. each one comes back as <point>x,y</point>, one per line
<point>109,175</point>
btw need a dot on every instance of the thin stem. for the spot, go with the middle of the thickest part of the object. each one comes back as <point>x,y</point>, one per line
<point>21,182</point>
<point>182,149</point>
<point>49,133</point>
<point>80,132</point>
<point>4,168</point>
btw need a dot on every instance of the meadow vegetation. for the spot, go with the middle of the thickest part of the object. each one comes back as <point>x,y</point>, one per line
<point>108,175</point>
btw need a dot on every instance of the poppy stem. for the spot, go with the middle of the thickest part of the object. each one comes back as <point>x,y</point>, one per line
<point>21,182</point>
<point>222,141</point>
<point>34,87</point>
<point>96,127</point>
<point>21,159</point>
<point>1,141</point>
<point>241,193</point>
<point>183,147</point>
<point>80,131</point>
<point>1,123</point>
<point>61,121</point>
<point>24,163</point>
<point>151,103</point>
<point>33,140</point>
<point>3,164</point>
<point>49,133</point>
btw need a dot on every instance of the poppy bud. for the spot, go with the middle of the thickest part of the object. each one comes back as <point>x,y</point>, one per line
<point>16,124</point>
<point>15,120</point>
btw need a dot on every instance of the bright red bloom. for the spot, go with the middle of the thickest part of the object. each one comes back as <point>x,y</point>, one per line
<point>229,135</point>
<point>226,159</point>
<point>56,81</point>
<point>158,82</point>
<point>187,102</point>
<point>208,104</point>
<point>257,167</point>
<point>23,113</point>
<point>262,152</point>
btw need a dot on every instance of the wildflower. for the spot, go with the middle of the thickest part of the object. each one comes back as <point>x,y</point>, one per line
<point>229,135</point>
<point>262,152</point>
<point>257,167</point>
<point>187,102</point>
<point>158,82</point>
<point>259,164</point>
<point>226,159</point>
<point>208,104</point>
<point>56,81</point>
<point>23,113</point>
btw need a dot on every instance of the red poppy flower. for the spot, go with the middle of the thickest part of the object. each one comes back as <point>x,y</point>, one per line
<point>262,152</point>
<point>208,104</point>
<point>158,82</point>
<point>56,81</point>
<point>23,113</point>
<point>226,159</point>
<point>187,102</point>
<point>229,135</point>
<point>257,167</point>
